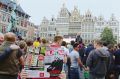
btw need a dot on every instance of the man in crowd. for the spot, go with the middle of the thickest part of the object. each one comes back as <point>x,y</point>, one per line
<point>57,41</point>
<point>57,44</point>
<point>75,62</point>
<point>9,67</point>
<point>98,61</point>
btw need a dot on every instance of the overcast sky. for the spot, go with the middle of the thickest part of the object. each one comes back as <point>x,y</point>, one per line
<point>37,9</point>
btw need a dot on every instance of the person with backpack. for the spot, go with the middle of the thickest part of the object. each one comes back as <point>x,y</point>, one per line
<point>98,61</point>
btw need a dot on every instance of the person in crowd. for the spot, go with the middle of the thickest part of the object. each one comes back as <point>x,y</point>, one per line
<point>78,39</point>
<point>64,46</point>
<point>105,45</point>
<point>57,41</point>
<point>75,62</point>
<point>117,62</point>
<point>70,46</point>
<point>9,67</point>
<point>98,61</point>
<point>44,42</point>
<point>89,48</point>
<point>23,47</point>
<point>116,47</point>
<point>66,51</point>
<point>43,46</point>
<point>8,50</point>
<point>37,42</point>
<point>110,72</point>
<point>28,49</point>
<point>29,42</point>
<point>1,38</point>
<point>81,51</point>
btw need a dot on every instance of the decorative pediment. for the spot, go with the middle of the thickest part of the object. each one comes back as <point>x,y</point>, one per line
<point>75,15</point>
<point>64,12</point>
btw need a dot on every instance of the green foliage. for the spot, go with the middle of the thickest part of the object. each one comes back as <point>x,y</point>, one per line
<point>107,36</point>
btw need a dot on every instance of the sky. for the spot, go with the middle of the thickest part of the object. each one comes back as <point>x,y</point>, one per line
<point>37,9</point>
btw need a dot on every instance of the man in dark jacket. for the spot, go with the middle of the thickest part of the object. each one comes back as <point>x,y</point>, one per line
<point>98,61</point>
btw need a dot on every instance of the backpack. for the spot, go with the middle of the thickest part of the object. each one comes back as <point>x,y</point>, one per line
<point>101,65</point>
<point>55,68</point>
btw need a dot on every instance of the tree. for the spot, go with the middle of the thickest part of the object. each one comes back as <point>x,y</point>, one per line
<point>107,36</point>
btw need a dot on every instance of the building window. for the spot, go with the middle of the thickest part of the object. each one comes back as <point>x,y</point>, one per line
<point>25,24</point>
<point>9,19</point>
<point>25,33</point>
<point>116,29</point>
<point>85,36</point>
<point>3,17</point>
<point>21,23</point>
<point>3,29</point>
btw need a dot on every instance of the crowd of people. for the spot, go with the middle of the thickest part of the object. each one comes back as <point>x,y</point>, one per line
<point>99,59</point>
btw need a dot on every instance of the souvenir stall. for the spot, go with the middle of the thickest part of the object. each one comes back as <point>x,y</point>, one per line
<point>44,63</point>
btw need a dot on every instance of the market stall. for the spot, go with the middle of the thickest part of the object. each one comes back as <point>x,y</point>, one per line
<point>45,63</point>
